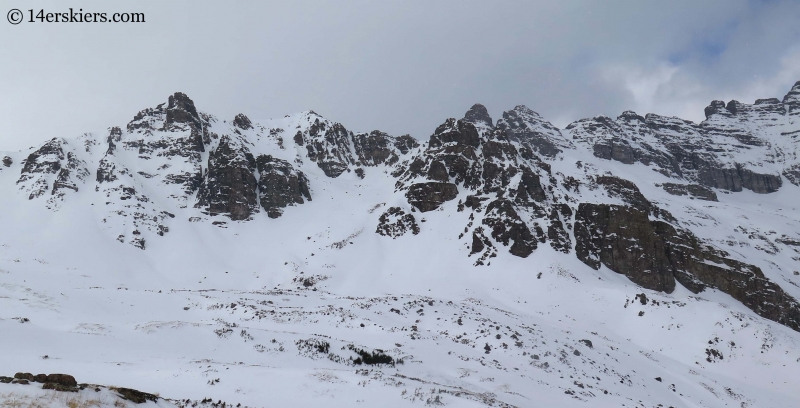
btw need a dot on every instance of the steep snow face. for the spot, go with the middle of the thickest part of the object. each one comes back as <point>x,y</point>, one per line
<point>638,260</point>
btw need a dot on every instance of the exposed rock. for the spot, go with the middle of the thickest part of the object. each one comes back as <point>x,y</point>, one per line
<point>242,122</point>
<point>180,109</point>
<point>59,387</point>
<point>429,196</point>
<point>454,131</point>
<point>62,379</point>
<point>734,179</point>
<point>135,396</point>
<point>716,107</point>
<point>52,159</point>
<point>624,240</point>
<point>692,190</point>
<point>526,127</point>
<point>404,144</point>
<point>530,189</point>
<point>229,187</point>
<point>24,376</point>
<point>653,254</point>
<point>507,226</point>
<point>625,190</point>
<point>375,148</point>
<point>792,100</point>
<point>7,161</point>
<point>556,233</point>
<point>481,244</point>
<point>280,185</point>
<point>395,222</point>
<point>793,174</point>
<point>479,116</point>
<point>327,144</point>
<point>682,149</point>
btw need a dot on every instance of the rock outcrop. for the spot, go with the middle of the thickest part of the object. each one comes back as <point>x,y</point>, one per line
<point>53,169</point>
<point>517,184</point>
<point>395,223</point>
<point>429,196</point>
<point>479,116</point>
<point>654,254</point>
<point>682,149</point>
<point>691,190</point>
<point>229,187</point>
<point>280,185</point>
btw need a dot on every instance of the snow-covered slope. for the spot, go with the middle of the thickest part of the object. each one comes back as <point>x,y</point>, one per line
<point>638,261</point>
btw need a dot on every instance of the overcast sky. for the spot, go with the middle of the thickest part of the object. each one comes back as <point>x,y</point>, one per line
<point>398,66</point>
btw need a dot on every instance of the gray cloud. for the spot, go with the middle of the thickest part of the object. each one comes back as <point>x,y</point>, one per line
<point>402,67</point>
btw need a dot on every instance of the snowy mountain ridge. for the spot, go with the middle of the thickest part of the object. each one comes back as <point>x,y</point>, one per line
<point>695,224</point>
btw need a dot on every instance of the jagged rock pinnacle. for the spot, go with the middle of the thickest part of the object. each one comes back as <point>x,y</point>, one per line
<point>478,114</point>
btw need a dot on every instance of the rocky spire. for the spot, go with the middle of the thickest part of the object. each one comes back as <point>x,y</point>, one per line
<point>478,115</point>
<point>180,109</point>
<point>792,99</point>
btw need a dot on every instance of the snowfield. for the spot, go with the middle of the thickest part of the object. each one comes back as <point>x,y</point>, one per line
<point>314,308</point>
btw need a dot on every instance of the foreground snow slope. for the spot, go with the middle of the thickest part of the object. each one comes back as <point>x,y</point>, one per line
<point>269,262</point>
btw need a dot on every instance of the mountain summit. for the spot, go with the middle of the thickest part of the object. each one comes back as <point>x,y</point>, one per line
<point>537,241</point>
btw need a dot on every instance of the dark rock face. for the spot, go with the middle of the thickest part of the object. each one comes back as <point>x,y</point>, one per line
<point>242,122</point>
<point>135,396</point>
<point>653,254</point>
<point>7,161</point>
<point>453,131</point>
<point>556,231</point>
<point>479,116</point>
<point>430,196</point>
<point>229,187</point>
<point>792,100</point>
<point>280,185</point>
<point>512,179</point>
<point>404,144</point>
<point>24,376</point>
<point>793,174</point>
<point>507,226</point>
<point>180,109</point>
<point>328,145</point>
<point>526,127</point>
<point>623,239</point>
<point>734,179</point>
<point>716,107</point>
<point>62,379</point>
<point>768,101</point>
<point>180,115</point>
<point>52,158</point>
<point>336,150</point>
<point>395,223</point>
<point>59,387</point>
<point>626,190</point>
<point>692,190</point>
<point>375,148</point>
